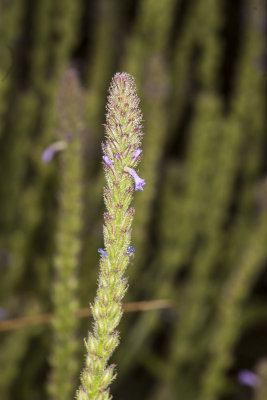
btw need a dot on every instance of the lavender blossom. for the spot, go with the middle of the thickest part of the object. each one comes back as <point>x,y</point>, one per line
<point>130,250</point>
<point>107,161</point>
<point>52,149</point>
<point>139,182</point>
<point>248,378</point>
<point>137,153</point>
<point>104,253</point>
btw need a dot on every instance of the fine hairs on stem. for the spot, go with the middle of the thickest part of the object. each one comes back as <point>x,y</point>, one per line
<point>121,155</point>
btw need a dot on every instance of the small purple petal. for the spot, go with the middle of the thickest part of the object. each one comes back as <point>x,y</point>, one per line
<point>107,161</point>
<point>137,153</point>
<point>104,253</point>
<point>52,149</point>
<point>48,154</point>
<point>139,182</point>
<point>248,378</point>
<point>130,250</point>
<point>117,156</point>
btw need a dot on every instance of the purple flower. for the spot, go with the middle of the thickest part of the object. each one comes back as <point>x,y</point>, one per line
<point>48,154</point>
<point>107,161</point>
<point>248,378</point>
<point>104,253</point>
<point>51,150</point>
<point>139,182</point>
<point>130,250</point>
<point>137,153</point>
<point>117,156</point>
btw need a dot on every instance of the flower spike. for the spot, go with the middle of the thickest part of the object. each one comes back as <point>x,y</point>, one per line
<point>121,154</point>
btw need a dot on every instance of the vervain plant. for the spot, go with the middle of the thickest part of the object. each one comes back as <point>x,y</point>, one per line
<point>121,155</point>
<point>70,129</point>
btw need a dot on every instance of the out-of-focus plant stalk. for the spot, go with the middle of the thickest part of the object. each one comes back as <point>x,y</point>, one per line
<point>101,61</point>
<point>14,234</point>
<point>248,106</point>
<point>13,349</point>
<point>121,156</point>
<point>10,29</point>
<point>56,35</point>
<point>232,298</point>
<point>145,59</point>
<point>98,74</point>
<point>200,293</point>
<point>260,390</point>
<point>70,109</point>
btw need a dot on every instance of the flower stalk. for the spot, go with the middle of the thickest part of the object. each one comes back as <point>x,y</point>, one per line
<point>123,138</point>
<point>70,130</point>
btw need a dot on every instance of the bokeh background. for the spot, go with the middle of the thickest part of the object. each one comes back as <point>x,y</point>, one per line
<point>200,229</point>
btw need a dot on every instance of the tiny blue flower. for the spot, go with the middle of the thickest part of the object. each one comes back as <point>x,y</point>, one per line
<point>130,250</point>
<point>248,378</point>
<point>139,182</point>
<point>104,253</point>
<point>137,153</point>
<point>107,161</point>
<point>51,150</point>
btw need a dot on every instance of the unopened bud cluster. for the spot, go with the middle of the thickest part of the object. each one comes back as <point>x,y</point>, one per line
<point>121,155</point>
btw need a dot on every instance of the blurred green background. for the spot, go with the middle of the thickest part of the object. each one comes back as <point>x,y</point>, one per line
<point>200,228</point>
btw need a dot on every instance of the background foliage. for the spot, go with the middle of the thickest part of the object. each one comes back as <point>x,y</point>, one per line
<point>200,228</point>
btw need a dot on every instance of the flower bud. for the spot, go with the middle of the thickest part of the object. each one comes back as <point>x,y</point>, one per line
<point>102,327</point>
<point>92,344</point>
<point>104,395</point>
<point>107,377</point>
<point>96,311</point>
<point>98,365</point>
<point>81,395</point>
<point>113,309</point>
<point>107,161</point>
<point>103,297</point>
<point>114,321</point>
<point>120,290</point>
<point>111,342</point>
